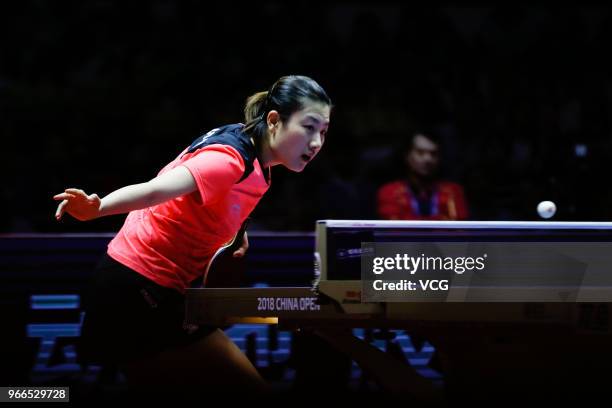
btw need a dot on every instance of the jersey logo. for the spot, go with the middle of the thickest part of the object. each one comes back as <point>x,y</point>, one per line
<point>204,139</point>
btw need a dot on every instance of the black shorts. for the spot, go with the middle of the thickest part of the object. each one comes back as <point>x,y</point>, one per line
<point>129,317</point>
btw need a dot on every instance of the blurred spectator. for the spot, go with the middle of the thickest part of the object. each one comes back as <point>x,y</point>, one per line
<point>421,194</point>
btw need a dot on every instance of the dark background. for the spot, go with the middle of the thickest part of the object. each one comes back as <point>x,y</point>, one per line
<point>101,94</point>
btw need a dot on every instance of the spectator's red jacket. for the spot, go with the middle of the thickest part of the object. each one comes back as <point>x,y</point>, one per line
<point>396,201</point>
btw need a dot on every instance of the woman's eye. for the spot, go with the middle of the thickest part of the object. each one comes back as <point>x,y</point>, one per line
<point>309,127</point>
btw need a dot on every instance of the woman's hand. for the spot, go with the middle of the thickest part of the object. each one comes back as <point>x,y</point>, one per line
<point>75,202</point>
<point>240,252</point>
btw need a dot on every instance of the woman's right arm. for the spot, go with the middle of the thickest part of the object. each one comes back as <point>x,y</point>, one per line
<point>83,207</point>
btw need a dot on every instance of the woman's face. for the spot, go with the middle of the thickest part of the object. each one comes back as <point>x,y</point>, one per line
<point>297,141</point>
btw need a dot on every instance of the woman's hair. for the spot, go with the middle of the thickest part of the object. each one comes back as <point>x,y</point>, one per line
<point>288,95</point>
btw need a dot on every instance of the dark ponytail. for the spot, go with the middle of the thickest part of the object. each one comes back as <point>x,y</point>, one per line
<point>254,106</point>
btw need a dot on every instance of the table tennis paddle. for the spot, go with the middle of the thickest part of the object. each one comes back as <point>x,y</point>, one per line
<point>223,269</point>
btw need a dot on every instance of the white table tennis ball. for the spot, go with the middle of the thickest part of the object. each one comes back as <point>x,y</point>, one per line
<point>547,209</point>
